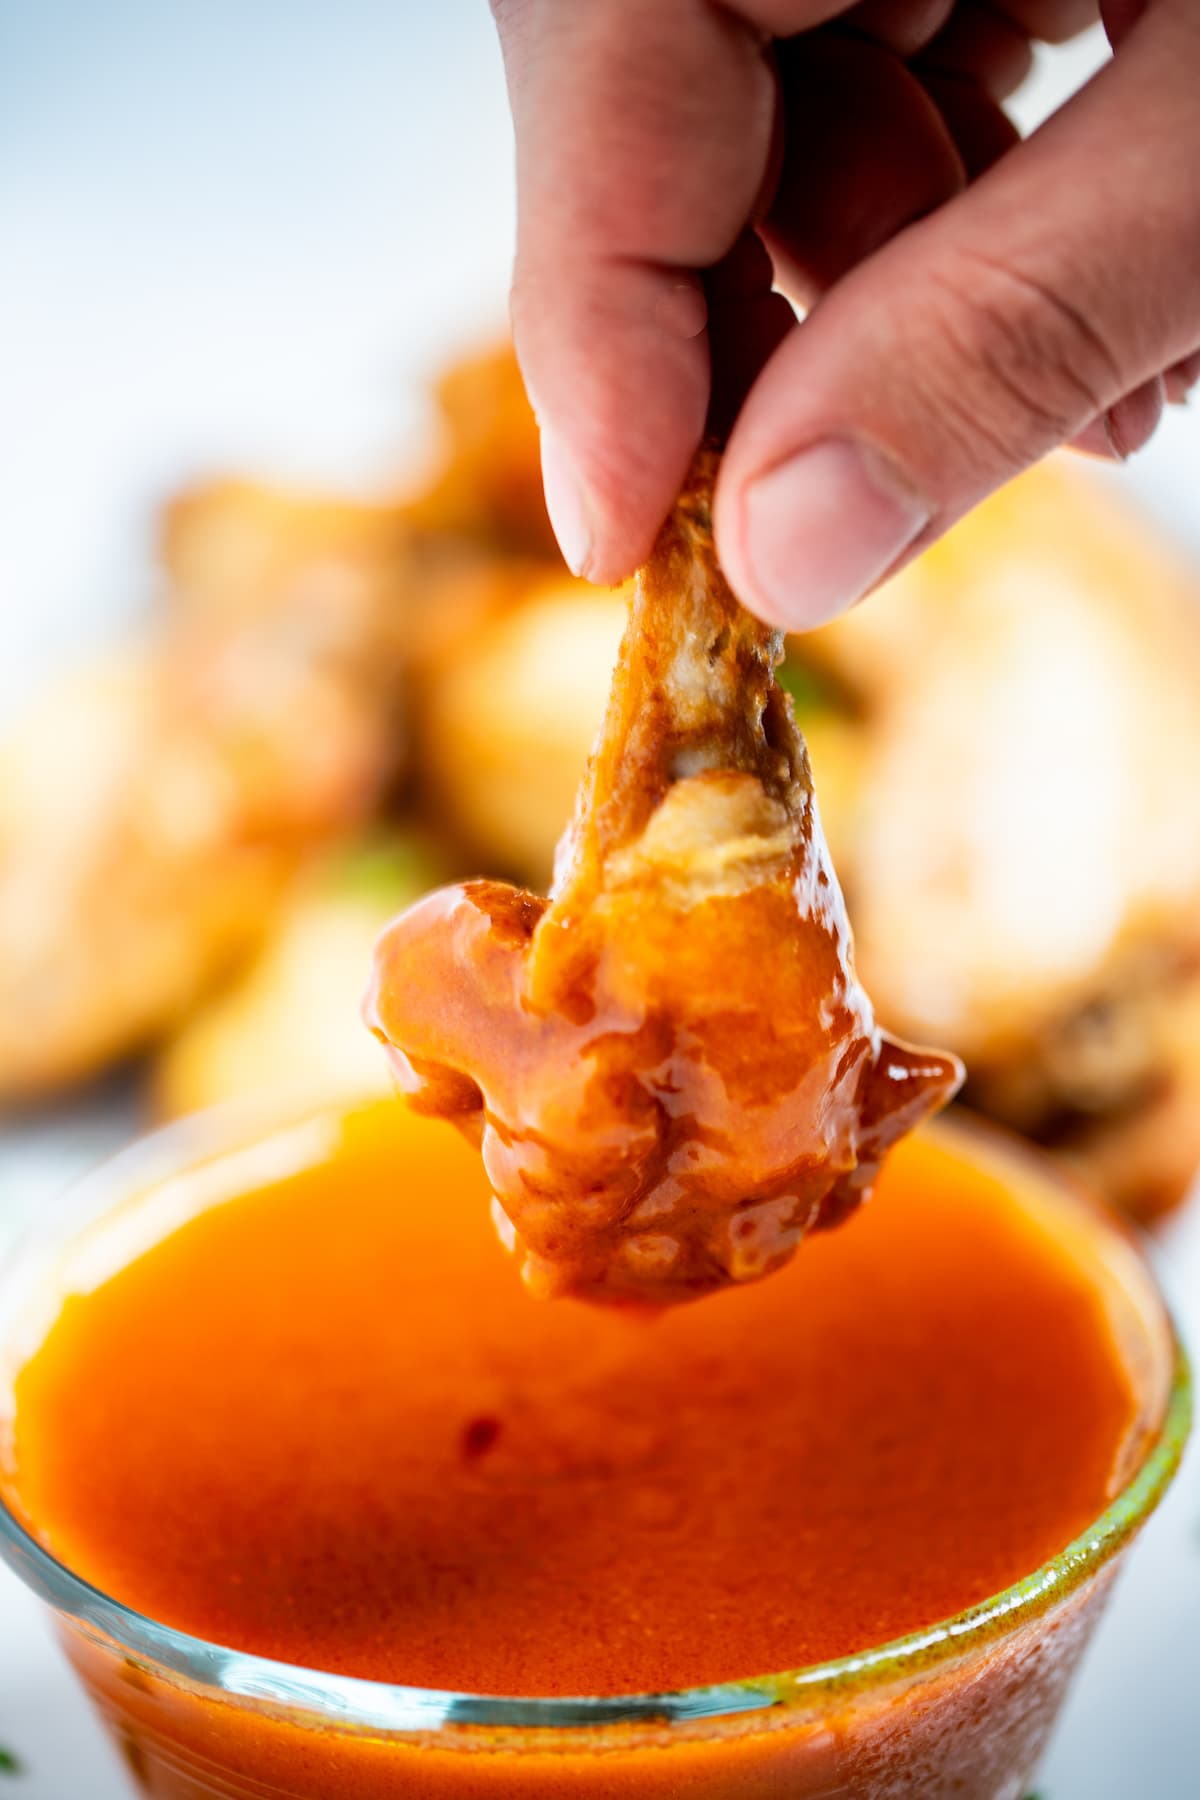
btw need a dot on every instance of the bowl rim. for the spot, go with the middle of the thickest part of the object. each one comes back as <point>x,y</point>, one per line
<point>325,1700</point>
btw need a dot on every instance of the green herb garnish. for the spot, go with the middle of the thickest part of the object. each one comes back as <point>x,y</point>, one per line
<point>382,868</point>
<point>810,691</point>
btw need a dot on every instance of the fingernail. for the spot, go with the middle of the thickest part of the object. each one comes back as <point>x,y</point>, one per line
<point>820,529</point>
<point>1133,420</point>
<point>681,309</point>
<point>1181,379</point>
<point>565,504</point>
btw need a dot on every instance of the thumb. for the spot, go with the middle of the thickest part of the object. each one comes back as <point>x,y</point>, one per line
<point>1064,280</point>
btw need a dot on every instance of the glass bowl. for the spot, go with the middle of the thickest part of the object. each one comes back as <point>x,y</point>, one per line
<point>962,1708</point>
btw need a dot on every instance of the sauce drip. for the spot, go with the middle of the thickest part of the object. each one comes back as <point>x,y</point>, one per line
<point>670,1066</point>
<point>322,1423</point>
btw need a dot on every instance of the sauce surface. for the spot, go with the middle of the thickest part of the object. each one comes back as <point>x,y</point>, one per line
<point>324,1422</point>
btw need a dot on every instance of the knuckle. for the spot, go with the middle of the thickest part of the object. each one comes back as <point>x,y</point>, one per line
<point>1039,365</point>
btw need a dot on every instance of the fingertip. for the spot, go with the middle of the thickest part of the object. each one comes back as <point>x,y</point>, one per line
<point>1180,379</point>
<point>1136,417</point>
<point>607,512</point>
<point>626,488</point>
<point>567,504</point>
<point>805,538</point>
<point>1127,426</point>
<point>617,371</point>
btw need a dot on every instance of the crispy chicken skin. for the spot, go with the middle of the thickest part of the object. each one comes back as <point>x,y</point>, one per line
<point>670,1066</point>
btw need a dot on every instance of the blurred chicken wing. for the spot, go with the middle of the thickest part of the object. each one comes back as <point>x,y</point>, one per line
<point>1026,864</point>
<point>288,1024</point>
<point>504,720</point>
<point>151,816</point>
<point>488,483</point>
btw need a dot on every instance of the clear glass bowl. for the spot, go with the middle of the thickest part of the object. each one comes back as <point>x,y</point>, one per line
<point>962,1708</point>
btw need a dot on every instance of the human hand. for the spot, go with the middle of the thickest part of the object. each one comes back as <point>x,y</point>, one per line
<point>975,301</point>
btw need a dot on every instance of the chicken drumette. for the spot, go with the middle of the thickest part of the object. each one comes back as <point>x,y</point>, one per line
<point>670,1066</point>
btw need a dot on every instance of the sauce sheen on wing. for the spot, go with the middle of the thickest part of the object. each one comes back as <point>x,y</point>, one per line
<point>669,1065</point>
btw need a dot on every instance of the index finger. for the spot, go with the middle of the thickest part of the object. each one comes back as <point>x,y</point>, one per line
<point>644,137</point>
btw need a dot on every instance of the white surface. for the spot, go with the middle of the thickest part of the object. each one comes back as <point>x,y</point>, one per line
<point>238,236</point>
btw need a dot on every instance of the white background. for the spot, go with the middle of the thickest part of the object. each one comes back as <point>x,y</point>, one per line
<point>238,235</point>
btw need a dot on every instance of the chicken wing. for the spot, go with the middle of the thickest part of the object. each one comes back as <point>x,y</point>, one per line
<point>670,1066</point>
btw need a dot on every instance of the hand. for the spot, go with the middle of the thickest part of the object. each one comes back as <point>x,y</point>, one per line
<point>974,300</point>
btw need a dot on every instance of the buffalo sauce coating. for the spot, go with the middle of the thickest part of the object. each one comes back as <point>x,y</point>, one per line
<point>670,1066</point>
<point>322,1423</point>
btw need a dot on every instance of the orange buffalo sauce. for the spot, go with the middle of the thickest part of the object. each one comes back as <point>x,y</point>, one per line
<point>324,1422</point>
